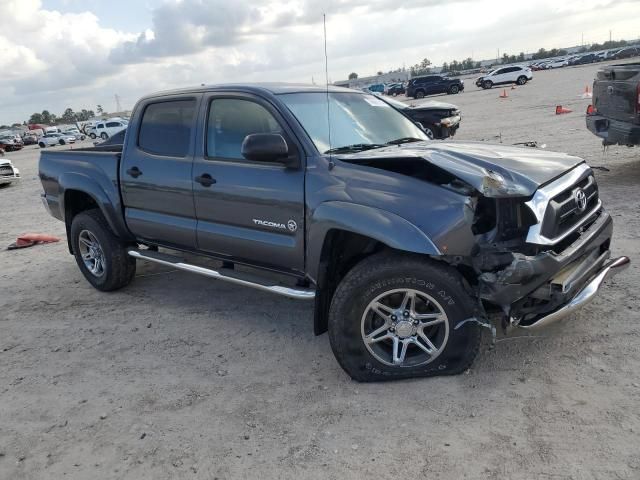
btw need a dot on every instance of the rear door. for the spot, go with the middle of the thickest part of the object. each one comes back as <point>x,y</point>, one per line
<point>247,211</point>
<point>615,92</point>
<point>155,172</point>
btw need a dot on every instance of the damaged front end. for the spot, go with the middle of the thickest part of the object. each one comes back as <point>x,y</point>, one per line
<point>537,259</point>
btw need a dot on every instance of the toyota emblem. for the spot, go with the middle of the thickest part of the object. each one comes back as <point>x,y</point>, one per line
<point>581,199</point>
<point>293,226</point>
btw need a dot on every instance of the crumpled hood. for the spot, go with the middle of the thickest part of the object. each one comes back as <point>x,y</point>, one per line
<point>494,170</point>
<point>433,105</point>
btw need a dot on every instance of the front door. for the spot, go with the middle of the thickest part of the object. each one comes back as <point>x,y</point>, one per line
<point>156,172</point>
<point>247,211</point>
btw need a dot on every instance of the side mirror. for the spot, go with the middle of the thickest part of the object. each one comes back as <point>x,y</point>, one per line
<point>266,147</point>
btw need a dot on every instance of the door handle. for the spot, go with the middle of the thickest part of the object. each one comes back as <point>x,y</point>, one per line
<point>205,180</point>
<point>135,172</point>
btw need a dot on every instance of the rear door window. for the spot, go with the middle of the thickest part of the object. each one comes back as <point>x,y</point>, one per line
<point>166,127</point>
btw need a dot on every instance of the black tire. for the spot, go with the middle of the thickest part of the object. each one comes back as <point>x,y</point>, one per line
<point>521,80</point>
<point>92,136</point>
<point>119,268</point>
<point>420,94</point>
<point>387,272</point>
<point>42,145</point>
<point>454,90</point>
<point>104,136</point>
<point>62,142</point>
<point>487,84</point>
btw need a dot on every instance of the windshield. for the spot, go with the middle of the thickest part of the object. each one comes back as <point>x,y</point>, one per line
<point>356,119</point>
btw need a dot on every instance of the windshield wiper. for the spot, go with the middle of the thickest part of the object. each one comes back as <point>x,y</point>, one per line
<point>398,141</point>
<point>356,147</point>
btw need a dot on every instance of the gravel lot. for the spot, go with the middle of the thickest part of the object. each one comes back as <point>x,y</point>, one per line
<point>179,376</point>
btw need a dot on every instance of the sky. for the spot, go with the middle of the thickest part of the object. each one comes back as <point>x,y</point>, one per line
<point>81,53</point>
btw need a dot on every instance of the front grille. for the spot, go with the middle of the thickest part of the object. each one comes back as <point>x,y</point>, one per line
<point>563,213</point>
<point>6,170</point>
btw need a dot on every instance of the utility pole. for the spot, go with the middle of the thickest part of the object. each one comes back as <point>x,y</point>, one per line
<point>609,36</point>
<point>118,106</point>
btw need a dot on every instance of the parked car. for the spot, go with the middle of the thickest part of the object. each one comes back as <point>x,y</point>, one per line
<point>557,63</point>
<point>9,143</point>
<point>79,136</point>
<point>584,59</point>
<point>627,52</point>
<point>408,247</point>
<point>439,120</point>
<point>420,87</point>
<point>8,173</point>
<point>30,139</point>
<point>396,89</point>
<point>52,139</point>
<point>505,76</point>
<point>615,116</point>
<point>106,129</point>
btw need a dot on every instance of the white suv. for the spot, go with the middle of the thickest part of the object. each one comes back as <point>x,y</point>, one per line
<point>107,129</point>
<point>504,76</point>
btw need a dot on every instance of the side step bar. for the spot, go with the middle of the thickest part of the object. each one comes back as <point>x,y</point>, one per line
<point>228,275</point>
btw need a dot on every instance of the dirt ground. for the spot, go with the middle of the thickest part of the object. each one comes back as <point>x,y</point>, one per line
<point>180,376</point>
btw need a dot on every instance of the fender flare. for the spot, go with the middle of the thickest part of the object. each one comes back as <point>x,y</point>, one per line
<point>381,225</point>
<point>105,202</point>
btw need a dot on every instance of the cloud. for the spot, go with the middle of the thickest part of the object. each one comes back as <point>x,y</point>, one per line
<point>58,60</point>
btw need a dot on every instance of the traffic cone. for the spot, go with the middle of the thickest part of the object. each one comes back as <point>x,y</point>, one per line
<point>560,110</point>
<point>504,94</point>
<point>587,92</point>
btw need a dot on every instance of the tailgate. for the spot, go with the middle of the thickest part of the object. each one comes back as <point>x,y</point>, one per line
<point>615,92</point>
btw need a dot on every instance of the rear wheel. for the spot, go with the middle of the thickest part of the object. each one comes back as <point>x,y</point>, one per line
<point>101,256</point>
<point>104,136</point>
<point>92,136</point>
<point>521,80</point>
<point>395,316</point>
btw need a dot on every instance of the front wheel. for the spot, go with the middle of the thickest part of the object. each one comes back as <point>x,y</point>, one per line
<point>428,129</point>
<point>419,94</point>
<point>395,316</point>
<point>521,80</point>
<point>92,136</point>
<point>454,89</point>
<point>487,84</point>
<point>62,142</point>
<point>101,256</point>
<point>42,145</point>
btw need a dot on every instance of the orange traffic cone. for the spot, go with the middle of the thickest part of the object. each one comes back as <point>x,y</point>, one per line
<point>560,110</point>
<point>587,92</point>
<point>504,94</point>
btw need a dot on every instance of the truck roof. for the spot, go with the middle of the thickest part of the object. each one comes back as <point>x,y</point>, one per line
<point>274,88</point>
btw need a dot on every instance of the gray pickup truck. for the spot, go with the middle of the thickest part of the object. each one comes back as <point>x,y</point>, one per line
<point>407,247</point>
<point>615,115</point>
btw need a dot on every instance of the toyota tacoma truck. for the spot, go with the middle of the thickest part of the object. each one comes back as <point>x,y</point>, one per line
<point>409,248</point>
<point>615,114</point>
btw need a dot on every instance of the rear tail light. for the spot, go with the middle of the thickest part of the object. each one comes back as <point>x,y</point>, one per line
<point>590,110</point>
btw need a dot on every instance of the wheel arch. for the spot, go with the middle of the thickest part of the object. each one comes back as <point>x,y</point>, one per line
<point>81,193</point>
<point>341,234</point>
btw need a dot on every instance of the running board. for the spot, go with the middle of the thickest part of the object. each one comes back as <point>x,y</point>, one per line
<point>228,275</point>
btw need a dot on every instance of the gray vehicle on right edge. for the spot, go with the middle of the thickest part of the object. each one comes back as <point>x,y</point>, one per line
<point>615,117</point>
<point>407,247</point>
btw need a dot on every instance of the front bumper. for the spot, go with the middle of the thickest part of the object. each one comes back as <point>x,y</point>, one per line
<point>613,132</point>
<point>583,297</point>
<point>534,291</point>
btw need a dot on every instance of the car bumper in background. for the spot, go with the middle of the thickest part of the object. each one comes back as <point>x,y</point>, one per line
<point>613,132</point>
<point>12,177</point>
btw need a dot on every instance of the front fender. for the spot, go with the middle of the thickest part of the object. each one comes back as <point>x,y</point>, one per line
<point>385,227</point>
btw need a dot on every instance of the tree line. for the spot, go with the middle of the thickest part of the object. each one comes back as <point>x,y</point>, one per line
<point>69,116</point>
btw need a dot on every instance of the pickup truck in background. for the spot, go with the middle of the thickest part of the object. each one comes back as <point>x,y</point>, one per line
<point>407,247</point>
<point>615,116</point>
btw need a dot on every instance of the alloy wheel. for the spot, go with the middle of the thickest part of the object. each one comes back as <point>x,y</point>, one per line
<point>91,253</point>
<point>404,328</point>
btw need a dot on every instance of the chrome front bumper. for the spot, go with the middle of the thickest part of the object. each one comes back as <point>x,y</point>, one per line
<point>584,296</point>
